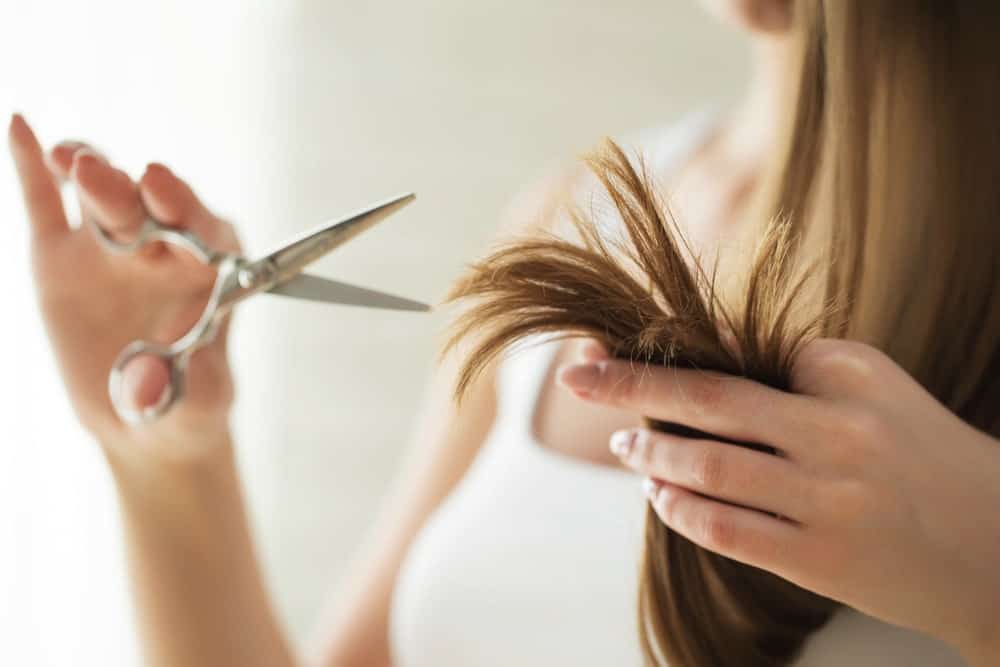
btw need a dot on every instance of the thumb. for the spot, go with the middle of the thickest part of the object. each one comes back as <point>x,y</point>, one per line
<point>593,350</point>
<point>143,381</point>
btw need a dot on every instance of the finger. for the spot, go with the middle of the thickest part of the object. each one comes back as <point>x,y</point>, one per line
<point>107,194</point>
<point>742,534</point>
<point>42,200</point>
<point>727,472</point>
<point>727,406</point>
<point>144,379</point>
<point>593,350</point>
<point>60,157</point>
<point>835,368</point>
<point>208,388</point>
<point>172,201</point>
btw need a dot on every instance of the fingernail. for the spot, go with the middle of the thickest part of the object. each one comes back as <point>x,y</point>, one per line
<point>650,487</point>
<point>88,153</point>
<point>16,125</point>
<point>158,168</point>
<point>83,159</point>
<point>581,378</point>
<point>622,442</point>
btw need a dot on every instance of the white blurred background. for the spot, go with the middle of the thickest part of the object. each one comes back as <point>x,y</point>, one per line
<point>283,114</point>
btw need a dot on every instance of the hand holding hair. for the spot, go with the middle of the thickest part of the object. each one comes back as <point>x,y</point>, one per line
<point>879,497</point>
<point>855,478</point>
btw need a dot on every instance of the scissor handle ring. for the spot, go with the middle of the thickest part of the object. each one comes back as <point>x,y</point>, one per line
<point>172,392</point>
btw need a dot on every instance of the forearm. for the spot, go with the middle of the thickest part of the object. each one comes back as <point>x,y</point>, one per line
<point>445,442</point>
<point>197,585</point>
<point>198,590</point>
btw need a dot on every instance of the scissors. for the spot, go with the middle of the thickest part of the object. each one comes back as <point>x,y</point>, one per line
<point>278,272</point>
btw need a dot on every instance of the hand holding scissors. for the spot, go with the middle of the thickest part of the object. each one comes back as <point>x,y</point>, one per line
<point>278,272</point>
<point>157,254</point>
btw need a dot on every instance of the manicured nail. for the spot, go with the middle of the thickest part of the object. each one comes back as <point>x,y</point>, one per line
<point>651,488</point>
<point>581,378</point>
<point>622,442</point>
<point>88,153</point>
<point>16,124</point>
<point>84,161</point>
<point>158,169</point>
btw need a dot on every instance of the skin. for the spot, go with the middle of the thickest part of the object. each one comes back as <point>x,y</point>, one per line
<point>197,585</point>
<point>887,500</point>
<point>196,581</point>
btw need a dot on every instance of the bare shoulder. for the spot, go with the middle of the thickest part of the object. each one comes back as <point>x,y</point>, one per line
<point>542,205</point>
<point>539,206</point>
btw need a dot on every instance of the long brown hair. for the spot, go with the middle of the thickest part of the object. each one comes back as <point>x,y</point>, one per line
<point>880,222</point>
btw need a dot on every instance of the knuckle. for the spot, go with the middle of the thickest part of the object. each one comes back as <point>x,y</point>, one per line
<point>859,362</point>
<point>864,428</point>
<point>816,351</point>
<point>717,530</point>
<point>838,361</point>
<point>645,451</point>
<point>618,382</point>
<point>709,470</point>
<point>845,363</point>
<point>851,500</point>
<point>708,391</point>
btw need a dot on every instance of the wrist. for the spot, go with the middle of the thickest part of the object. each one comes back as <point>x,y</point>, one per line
<point>157,457</point>
<point>183,437</point>
<point>176,494</point>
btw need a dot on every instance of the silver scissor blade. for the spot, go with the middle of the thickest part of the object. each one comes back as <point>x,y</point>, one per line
<point>295,255</point>
<point>314,288</point>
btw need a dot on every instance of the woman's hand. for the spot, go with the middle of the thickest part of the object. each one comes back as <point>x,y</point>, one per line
<point>94,303</point>
<point>879,497</point>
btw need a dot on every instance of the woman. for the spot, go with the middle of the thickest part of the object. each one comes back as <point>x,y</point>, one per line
<point>438,570</point>
<point>876,222</point>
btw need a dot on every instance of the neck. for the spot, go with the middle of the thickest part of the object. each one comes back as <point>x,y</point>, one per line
<point>753,127</point>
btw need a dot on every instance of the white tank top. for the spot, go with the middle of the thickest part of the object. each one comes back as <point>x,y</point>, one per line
<point>533,557</point>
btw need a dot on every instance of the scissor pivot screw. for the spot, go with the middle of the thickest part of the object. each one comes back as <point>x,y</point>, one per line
<point>248,278</point>
<point>251,277</point>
